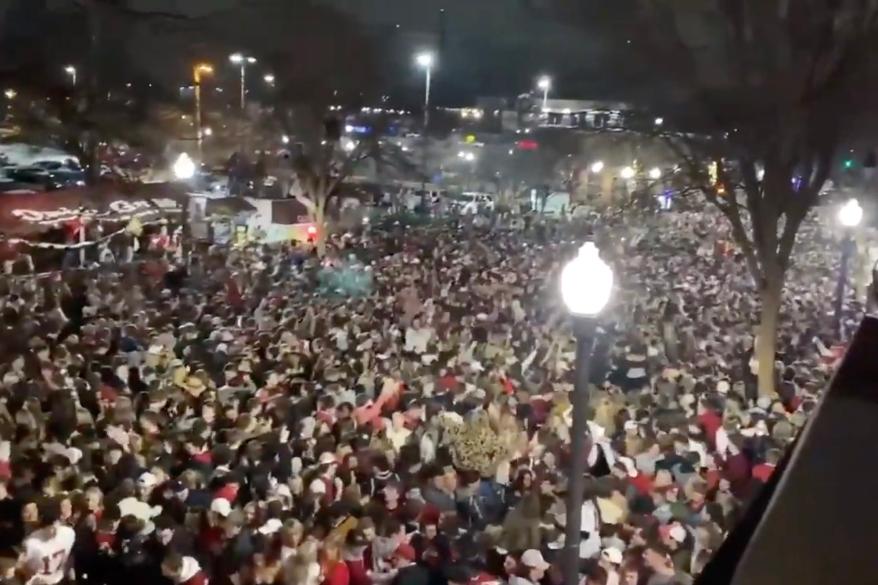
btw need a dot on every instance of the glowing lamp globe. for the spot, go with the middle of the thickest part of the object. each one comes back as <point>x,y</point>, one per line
<point>597,167</point>
<point>851,214</point>
<point>627,173</point>
<point>586,282</point>
<point>184,167</point>
<point>655,173</point>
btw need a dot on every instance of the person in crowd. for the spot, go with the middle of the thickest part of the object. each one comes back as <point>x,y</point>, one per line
<point>235,424</point>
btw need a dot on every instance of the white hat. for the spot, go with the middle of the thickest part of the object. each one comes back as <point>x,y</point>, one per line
<point>612,554</point>
<point>678,533</point>
<point>534,559</point>
<point>221,506</point>
<point>147,479</point>
<point>270,527</point>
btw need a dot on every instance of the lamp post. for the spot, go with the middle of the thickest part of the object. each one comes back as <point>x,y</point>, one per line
<point>243,61</point>
<point>586,286</point>
<point>71,71</point>
<point>426,61</point>
<point>197,73</point>
<point>184,170</point>
<point>545,84</point>
<point>849,216</point>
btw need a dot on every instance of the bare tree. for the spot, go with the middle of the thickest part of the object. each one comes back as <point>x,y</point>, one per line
<point>766,90</point>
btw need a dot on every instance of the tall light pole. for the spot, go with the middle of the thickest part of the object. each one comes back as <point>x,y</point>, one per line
<point>586,286</point>
<point>71,71</point>
<point>426,61</point>
<point>849,217</point>
<point>545,84</point>
<point>243,61</point>
<point>197,73</point>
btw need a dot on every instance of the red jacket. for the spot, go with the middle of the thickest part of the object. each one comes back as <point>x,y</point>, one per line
<point>358,573</point>
<point>198,578</point>
<point>338,574</point>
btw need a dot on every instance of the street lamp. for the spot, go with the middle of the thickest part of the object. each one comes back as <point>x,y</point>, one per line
<point>659,121</point>
<point>849,217</point>
<point>243,61</point>
<point>71,71</point>
<point>545,84</point>
<point>597,167</point>
<point>269,79</point>
<point>425,61</point>
<point>184,167</point>
<point>10,94</point>
<point>586,286</point>
<point>627,173</point>
<point>198,71</point>
<point>655,173</point>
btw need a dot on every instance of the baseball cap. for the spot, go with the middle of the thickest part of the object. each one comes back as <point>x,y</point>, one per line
<point>612,554</point>
<point>147,480</point>
<point>534,559</point>
<point>673,531</point>
<point>221,506</point>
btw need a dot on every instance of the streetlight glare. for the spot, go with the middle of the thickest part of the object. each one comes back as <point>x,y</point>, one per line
<point>851,214</point>
<point>627,173</point>
<point>184,167</point>
<point>424,60</point>
<point>655,173</point>
<point>204,68</point>
<point>269,78</point>
<point>251,60</point>
<point>236,58</point>
<point>597,167</point>
<point>586,282</point>
<point>544,82</point>
<point>70,70</point>
<point>659,121</point>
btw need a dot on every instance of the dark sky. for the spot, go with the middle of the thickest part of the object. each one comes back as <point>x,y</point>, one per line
<point>491,47</point>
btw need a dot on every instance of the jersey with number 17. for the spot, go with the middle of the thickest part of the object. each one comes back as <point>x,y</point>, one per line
<point>46,560</point>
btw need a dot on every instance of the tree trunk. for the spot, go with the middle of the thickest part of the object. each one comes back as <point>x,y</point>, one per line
<point>766,342</point>
<point>322,229</point>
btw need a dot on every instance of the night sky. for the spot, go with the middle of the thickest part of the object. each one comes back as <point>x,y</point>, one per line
<point>489,47</point>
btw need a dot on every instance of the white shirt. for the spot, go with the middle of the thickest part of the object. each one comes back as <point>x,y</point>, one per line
<point>47,558</point>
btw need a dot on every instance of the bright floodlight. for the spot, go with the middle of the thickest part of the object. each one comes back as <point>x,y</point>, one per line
<point>251,60</point>
<point>655,173</point>
<point>597,167</point>
<point>544,82</point>
<point>659,121</point>
<point>269,78</point>
<point>627,173</point>
<point>424,60</point>
<point>236,58</point>
<point>285,139</point>
<point>70,70</point>
<point>851,214</point>
<point>184,167</point>
<point>586,282</point>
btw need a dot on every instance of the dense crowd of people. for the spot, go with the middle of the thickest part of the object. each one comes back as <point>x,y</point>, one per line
<point>230,423</point>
